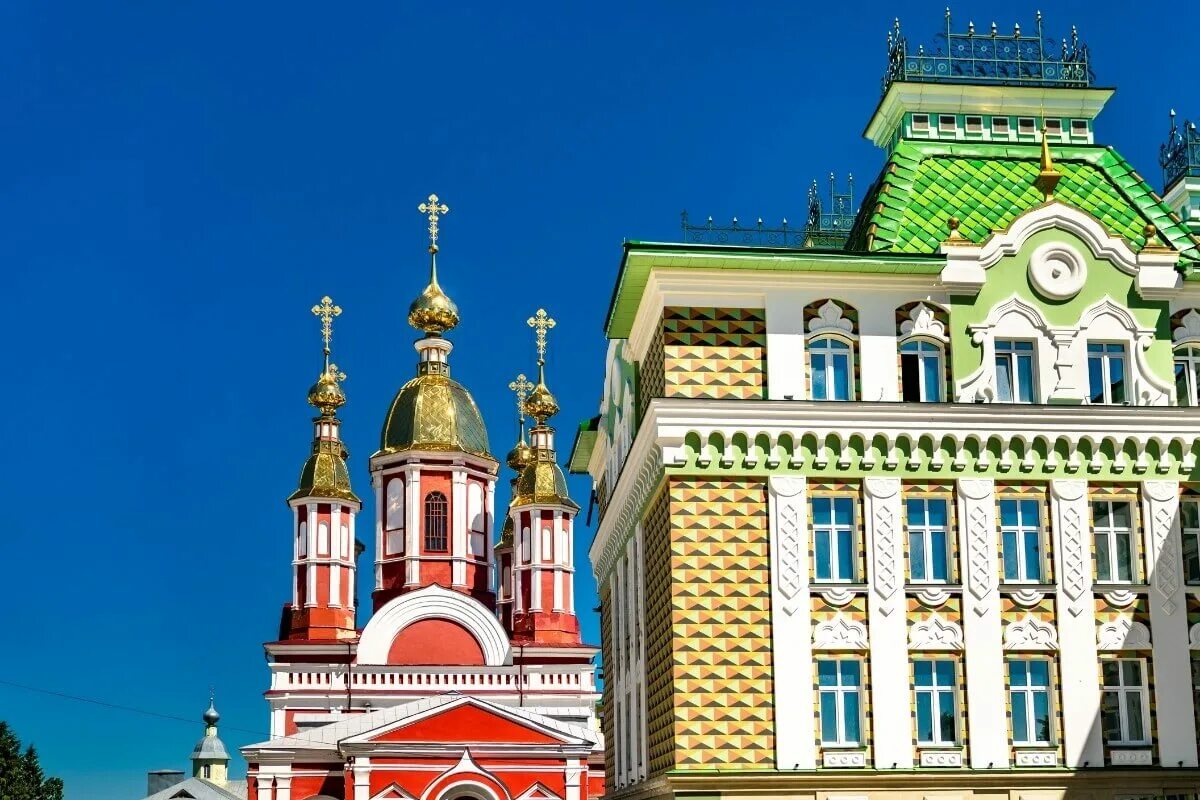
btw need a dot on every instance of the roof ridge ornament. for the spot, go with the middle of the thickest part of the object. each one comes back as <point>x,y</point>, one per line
<point>1049,176</point>
<point>433,312</point>
<point>1179,155</point>
<point>326,394</point>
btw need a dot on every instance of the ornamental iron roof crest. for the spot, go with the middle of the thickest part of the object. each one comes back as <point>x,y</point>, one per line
<point>1179,156</point>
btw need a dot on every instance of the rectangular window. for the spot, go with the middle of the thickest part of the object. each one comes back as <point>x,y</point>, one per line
<point>1029,698</point>
<point>840,682</point>
<point>1106,372</point>
<point>1189,517</point>
<point>1021,539</point>
<point>920,122</point>
<point>830,367</point>
<point>974,124</point>
<point>928,539</point>
<point>1187,375</point>
<point>1112,527</point>
<point>1000,125</point>
<point>921,371</point>
<point>1053,127</point>
<point>1079,127</point>
<point>833,536</point>
<point>1014,371</point>
<point>1123,709</point>
<point>1025,126</point>
<point>947,123</point>
<point>937,722</point>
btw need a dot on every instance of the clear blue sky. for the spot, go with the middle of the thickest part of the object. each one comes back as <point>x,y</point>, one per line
<point>181,181</point>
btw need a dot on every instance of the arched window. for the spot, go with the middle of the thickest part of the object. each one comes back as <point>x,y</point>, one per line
<point>831,367</point>
<point>1187,374</point>
<point>436,513</point>
<point>921,375</point>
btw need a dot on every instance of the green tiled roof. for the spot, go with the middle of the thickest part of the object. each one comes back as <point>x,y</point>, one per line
<point>987,186</point>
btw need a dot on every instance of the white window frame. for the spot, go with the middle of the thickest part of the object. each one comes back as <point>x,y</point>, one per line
<point>935,691</point>
<point>1025,694</point>
<point>1106,359</point>
<point>925,532</point>
<point>1122,691</point>
<point>1026,126</point>
<point>943,127</point>
<point>1053,125</point>
<point>1188,355</point>
<point>1021,530</point>
<point>1191,533</point>
<point>1001,125</point>
<point>1012,356</point>
<point>1111,534</point>
<point>922,353</point>
<point>819,345</point>
<point>920,123</point>
<point>834,530</point>
<point>1079,127</point>
<point>976,121</point>
<point>840,690</point>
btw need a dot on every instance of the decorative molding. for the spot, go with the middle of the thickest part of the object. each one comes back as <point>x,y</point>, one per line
<point>784,486</point>
<point>1189,330</point>
<point>932,597</point>
<point>922,322</point>
<point>1035,758</point>
<point>1164,532</point>
<point>941,758</point>
<point>976,488</point>
<point>1121,598</point>
<point>1027,598</point>
<point>1131,758</point>
<point>1068,489</point>
<point>1161,491</point>
<point>884,533</point>
<point>1194,637</point>
<point>840,633</point>
<point>1057,271</point>
<point>838,598</point>
<point>433,602</point>
<point>1030,633</point>
<point>1123,633</point>
<point>830,319</point>
<point>935,633</point>
<point>845,758</point>
<point>790,570</point>
<point>628,506</point>
<point>981,578</point>
<point>1147,387</point>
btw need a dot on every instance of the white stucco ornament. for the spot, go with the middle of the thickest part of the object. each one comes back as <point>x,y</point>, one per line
<point>1057,271</point>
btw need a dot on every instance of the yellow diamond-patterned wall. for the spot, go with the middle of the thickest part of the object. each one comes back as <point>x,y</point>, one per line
<point>720,621</point>
<point>714,353</point>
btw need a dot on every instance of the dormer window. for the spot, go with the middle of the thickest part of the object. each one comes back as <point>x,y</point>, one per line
<point>920,123</point>
<point>974,124</point>
<point>1000,125</point>
<point>1025,126</point>
<point>1054,127</point>
<point>947,123</point>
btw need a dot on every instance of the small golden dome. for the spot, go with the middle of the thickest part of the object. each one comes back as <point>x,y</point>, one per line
<point>541,404</point>
<point>542,481</point>
<point>506,534</point>
<point>433,312</point>
<point>434,412</point>
<point>325,474</point>
<point>326,394</point>
<point>520,456</point>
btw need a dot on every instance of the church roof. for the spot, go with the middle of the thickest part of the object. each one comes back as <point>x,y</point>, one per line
<point>200,789</point>
<point>987,186</point>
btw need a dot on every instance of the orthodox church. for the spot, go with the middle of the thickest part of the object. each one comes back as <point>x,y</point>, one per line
<point>451,689</point>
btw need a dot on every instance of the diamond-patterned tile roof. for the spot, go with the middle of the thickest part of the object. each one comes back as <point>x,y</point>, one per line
<point>987,186</point>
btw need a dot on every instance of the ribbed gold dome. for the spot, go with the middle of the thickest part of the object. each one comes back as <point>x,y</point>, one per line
<point>325,473</point>
<point>434,412</point>
<point>542,481</point>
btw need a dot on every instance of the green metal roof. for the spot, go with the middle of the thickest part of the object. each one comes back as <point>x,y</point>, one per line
<point>987,186</point>
<point>585,442</point>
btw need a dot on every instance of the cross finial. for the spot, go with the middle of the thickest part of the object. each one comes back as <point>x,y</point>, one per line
<point>433,209</point>
<point>522,387</point>
<point>541,322</point>
<point>326,310</point>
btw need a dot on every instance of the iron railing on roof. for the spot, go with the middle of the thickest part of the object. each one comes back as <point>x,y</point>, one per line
<point>1015,59</point>
<point>1179,156</point>
<point>826,226</point>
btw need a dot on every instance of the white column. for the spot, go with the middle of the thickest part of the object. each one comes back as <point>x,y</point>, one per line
<point>791,634</point>
<point>380,510</point>
<point>489,499</point>
<point>310,594</point>
<point>458,528</point>
<point>1069,516</point>
<point>574,778</point>
<point>887,617</point>
<point>535,558</point>
<point>987,721</point>
<point>283,788</point>
<point>296,556</point>
<point>352,572</point>
<point>264,786</point>
<point>1168,625</point>
<point>557,559</point>
<point>335,555</point>
<point>412,547</point>
<point>362,778</point>
<point>785,345</point>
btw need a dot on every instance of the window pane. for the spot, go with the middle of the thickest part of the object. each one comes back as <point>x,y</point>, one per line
<point>1016,673</point>
<point>1100,514</point>
<point>1004,392</point>
<point>824,568</point>
<point>1133,716</point>
<point>1025,378</point>
<point>1191,519</point>
<point>843,509</point>
<point>1010,556</point>
<point>1112,673</point>
<point>1181,383</point>
<point>829,717</point>
<point>1102,558</point>
<point>821,507</point>
<point>1121,515</point>
<point>852,715</point>
<point>1191,557</point>
<point>916,511</point>
<point>819,390</point>
<point>1131,673</point>
<point>1124,557</point>
<point>910,377</point>
<point>946,717</point>
<point>845,556</point>
<point>1039,673</point>
<point>841,377</point>
<point>937,512</point>
<point>1041,716</point>
<point>1033,561</point>
<point>923,673</point>
<point>924,717</point>
<point>827,673</point>
<point>938,556</point>
<point>1095,379</point>
<point>1116,376</point>
<point>850,671</point>
<point>932,367</point>
<point>1008,513</point>
<point>945,673</point>
<point>916,556</point>
<point>1111,717</point>
<point>1019,722</point>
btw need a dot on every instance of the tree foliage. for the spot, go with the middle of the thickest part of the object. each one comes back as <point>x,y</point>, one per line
<point>21,776</point>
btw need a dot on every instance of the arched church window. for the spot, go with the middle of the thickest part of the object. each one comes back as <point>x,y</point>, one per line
<point>322,538</point>
<point>475,508</point>
<point>302,541</point>
<point>436,514</point>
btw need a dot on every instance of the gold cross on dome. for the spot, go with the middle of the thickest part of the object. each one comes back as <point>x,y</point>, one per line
<point>433,209</point>
<point>541,323</point>
<point>326,310</point>
<point>522,387</point>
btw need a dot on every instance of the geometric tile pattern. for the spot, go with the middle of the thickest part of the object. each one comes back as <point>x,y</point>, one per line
<point>650,373</point>
<point>721,627</point>
<point>660,705</point>
<point>714,353</point>
<point>608,657</point>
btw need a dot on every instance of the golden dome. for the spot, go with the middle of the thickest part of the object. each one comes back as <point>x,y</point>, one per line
<point>433,312</point>
<point>542,481</point>
<point>519,456</point>
<point>433,412</point>
<point>541,404</point>
<point>325,474</point>
<point>326,395</point>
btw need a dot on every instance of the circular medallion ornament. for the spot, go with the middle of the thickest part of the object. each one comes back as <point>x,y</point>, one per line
<point>1057,271</point>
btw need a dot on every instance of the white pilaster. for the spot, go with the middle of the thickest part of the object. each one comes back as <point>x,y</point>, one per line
<point>458,527</point>
<point>558,590</point>
<point>574,778</point>
<point>380,511</point>
<point>489,499</point>
<point>412,548</point>
<point>785,345</point>
<point>880,378</point>
<point>1168,625</point>
<point>362,778</point>
<point>335,555</point>
<point>791,635</point>
<point>1069,517</point>
<point>888,623</point>
<point>310,594</point>
<point>283,788</point>
<point>352,572</point>
<point>987,719</point>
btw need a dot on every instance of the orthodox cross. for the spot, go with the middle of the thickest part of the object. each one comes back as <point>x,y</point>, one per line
<point>433,209</point>
<point>541,323</point>
<point>326,311</point>
<point>522,387</point>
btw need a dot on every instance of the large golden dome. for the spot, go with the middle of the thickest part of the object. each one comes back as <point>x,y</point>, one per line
<point>434,412</point>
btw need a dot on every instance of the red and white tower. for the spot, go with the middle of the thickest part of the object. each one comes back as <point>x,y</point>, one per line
<point>323,509</point>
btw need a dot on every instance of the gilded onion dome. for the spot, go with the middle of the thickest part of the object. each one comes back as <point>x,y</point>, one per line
<point>326,394</point>
<point>542,482</point>
<point>433,311</point>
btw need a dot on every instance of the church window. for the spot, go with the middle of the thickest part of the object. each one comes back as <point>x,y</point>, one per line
<point>436,514</point>
<point>921,371</point>
<point>1014,372</point>
<point>564,550</point>
<point>322,539</point>
<point>830,365</point>
<point>547,553</point>
<point>525,545</point>
<point>395,504</point>
<point>1106,372</point>
<point>1187,375</point>
<point>302,541</point>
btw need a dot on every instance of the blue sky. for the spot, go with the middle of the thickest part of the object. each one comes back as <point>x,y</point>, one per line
<point>183,180</point>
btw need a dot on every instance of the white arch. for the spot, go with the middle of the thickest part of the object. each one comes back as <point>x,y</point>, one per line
<point>433,602</point>
<point>1063,217</point>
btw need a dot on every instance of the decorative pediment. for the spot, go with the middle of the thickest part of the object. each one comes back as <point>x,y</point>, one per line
<point>922,322</point>
<point>1189,327</point>
<point>1123,633</point>
<point>468,721</point>
<point>840,633</point>
<point>537,791</point>
<point>830,319</point>
<point>393,792</point>
<point>935,633</point>
<point>1030,633</point>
